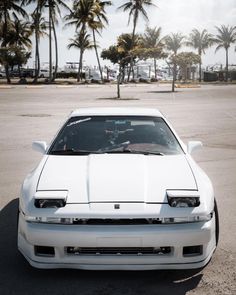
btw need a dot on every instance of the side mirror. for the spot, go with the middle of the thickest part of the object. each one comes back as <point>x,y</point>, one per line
<point>193,146</point>
<point>40,146</point>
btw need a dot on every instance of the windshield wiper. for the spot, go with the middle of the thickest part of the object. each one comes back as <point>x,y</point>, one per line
<point>122,148</point>
<point>72,152</point>
<point>118,149</point>
<point>146,153</point>
<point>130,151</point>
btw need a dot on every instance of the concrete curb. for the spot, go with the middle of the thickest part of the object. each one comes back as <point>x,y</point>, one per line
<point>6,87</point>
<point>65,86</point>
<point>187,86</point>
<point>34,87</point>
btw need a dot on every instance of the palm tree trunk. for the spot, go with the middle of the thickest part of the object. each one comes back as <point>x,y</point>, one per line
<point>56,49</point>
<point>80,65</point>
<point>96,51</point>
<point>118,87</point>
<point>37,59</point>
<point>80,69</point>
<point>118,82</point>
<point>132,44</point>
<point>200,72</point>
<point>174,78</point>
<point>155,67</point>
<point>7,74</point>
<point>186,74</point>
<point>50,42</point>
<point>227,64</point>
<point>4,43</point>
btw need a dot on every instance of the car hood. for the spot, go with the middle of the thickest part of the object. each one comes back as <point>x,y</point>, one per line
<point>116,178</point>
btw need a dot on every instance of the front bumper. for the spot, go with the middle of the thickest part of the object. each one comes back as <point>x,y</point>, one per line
<point>175,236</point>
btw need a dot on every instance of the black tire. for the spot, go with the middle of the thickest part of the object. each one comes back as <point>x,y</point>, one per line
<point>17,221</point>
<point>217,227</point>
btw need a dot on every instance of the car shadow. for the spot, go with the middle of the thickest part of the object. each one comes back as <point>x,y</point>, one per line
<point>18,277</point>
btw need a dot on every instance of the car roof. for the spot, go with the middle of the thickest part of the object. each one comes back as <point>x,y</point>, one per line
<point>116,111</point>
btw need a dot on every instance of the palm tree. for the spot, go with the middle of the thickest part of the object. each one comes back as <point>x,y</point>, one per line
<point>82,42</point>
<point>54,7</point>
<point>7,9</point>
<point>98,24</point>
<point>82,13</point>
<point>135,8</point>
<point>19,36</point>
<point>200,40</point>
<point>152,40</point>
<point>39,27</point>
<point>226,35</point>
<point>17,41</point>
<point>19,33</point>
<point>89,14</point>
<point>173,43</point>
<point>125,46</point>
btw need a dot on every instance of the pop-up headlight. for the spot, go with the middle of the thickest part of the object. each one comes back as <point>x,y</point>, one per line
<point>50,199</point>
<point>183,199</point>
<point>49,203</point>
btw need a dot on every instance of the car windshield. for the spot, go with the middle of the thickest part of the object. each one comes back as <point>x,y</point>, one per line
<point>115,134</point>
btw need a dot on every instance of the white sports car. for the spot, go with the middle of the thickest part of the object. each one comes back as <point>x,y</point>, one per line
<point>117,190</point>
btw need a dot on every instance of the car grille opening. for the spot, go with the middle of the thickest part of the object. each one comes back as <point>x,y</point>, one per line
<point>192,250</point>
<point>44,251</point>
<point>118,250</point>
<point>133,221</point>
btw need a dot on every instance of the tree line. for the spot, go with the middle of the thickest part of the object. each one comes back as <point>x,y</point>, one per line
<point>89,18</point>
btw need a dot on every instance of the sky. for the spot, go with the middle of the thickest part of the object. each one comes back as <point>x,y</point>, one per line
<point>171,15</point>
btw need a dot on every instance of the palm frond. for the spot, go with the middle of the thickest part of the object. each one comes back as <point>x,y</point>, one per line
<point>219,47</point>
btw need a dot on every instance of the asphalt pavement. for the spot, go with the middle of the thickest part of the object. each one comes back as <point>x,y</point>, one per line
<point>30,113</point>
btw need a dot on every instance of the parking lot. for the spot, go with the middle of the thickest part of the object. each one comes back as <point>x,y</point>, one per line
<point>29,113</point>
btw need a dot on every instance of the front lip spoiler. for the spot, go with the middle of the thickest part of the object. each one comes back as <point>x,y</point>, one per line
<point>130,267</point>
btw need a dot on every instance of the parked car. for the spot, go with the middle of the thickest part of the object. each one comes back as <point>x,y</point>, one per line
<point>27,73</point>
<point>23,73</point>
<point>44,73</point>
<point>14,73</point>
<point>2,74</point>
<point>94,76</point>
<point>117,190</point>
<point>144,76</point>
